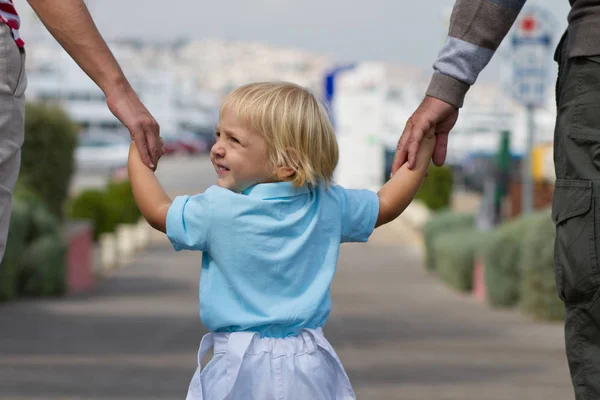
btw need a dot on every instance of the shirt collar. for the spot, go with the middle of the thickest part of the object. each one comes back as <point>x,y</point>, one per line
<point>274,190</point>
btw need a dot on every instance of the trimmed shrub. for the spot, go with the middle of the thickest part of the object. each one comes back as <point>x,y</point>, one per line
<point>92,205</point>
<point>438,224</point>
<point>35,257</point>
<point>16,245</point>
<point>502,259</point>
<point>119,197</point>
<point>47,162</point>
<point>455,256</point>
<point>539,296</point>
<point>106,209</point>
<point>436,189</point>
<point>42,267</point>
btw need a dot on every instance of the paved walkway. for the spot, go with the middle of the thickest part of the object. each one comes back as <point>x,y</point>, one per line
<point>400,333</point>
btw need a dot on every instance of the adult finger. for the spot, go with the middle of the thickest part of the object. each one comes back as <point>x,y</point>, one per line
<point>401,153</point>
<point>414,140</point>
<point>139,137</point>
<point>440,149</point>
<point>154,144</point>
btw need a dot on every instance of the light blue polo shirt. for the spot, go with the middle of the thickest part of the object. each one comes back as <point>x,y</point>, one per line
<point>269,253</point>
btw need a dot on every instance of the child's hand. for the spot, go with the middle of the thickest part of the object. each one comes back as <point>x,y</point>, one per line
<point>401,189</point>
<point>149,195</point>
<point>428,142</point>
<point>136,158</point>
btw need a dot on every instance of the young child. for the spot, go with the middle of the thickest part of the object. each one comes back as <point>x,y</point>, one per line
<point>270,233</point>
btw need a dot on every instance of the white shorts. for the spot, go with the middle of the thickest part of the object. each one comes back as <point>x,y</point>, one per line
<point>247,367</point>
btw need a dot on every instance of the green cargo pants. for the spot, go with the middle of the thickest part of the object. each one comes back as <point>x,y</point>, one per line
<point>576,213</point>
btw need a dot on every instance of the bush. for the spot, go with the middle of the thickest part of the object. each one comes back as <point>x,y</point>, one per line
<point>455,256</point>
<point>539,297</point>
<point>120,198</point>
<point>106,209</point>
<point>502,259</point>
<point>16,245</point>
<point>441,222</point>
<point>47,156</point>
<point>91,204</point>
<point>436,189</point>
<point>35,260</point>
<point>42,267</point>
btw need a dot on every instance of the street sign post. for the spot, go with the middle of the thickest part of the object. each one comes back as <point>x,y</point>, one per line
<point>532,49</point>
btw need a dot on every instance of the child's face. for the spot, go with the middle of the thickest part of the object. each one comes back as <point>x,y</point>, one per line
<point>240,156</point>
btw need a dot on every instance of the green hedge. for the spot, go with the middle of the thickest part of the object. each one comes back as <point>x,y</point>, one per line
<point>47,162</point>
<point>106,208</point>
<point>439,223</point>
<point>120,197</point>
<point>502,259</point>
<point>92,205</point>
<point>539,297</point>
<point>455,256</point>
<point>16,245</point>
<point>35,258</point>
<point>43,267</point>
<point>436,190</point>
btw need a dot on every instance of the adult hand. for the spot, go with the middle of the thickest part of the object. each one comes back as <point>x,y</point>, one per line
<point>143,128</point>
<point>432,113</point>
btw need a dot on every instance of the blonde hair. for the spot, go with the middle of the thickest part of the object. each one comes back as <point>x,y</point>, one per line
<point>295,125</point>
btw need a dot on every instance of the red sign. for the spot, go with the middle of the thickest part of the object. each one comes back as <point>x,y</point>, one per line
<point>528,24</point>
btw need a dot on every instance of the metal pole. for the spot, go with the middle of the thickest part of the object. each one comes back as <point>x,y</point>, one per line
<point>527,187</point>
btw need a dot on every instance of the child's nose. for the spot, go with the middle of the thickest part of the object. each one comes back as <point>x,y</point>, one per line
<point>218,150</point>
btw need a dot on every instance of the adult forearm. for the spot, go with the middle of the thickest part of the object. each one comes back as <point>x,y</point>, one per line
<point>477,27</point>
<point>71,24</point>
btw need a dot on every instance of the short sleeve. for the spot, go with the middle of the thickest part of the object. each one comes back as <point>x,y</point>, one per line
<point>360,209</point>
<point>188,222</point>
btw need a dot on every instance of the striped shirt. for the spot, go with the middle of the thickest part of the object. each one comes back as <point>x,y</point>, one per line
<point>9,16</point>
<point>477,27</point>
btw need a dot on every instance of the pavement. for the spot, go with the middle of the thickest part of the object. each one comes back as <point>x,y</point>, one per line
<point>400,333</point>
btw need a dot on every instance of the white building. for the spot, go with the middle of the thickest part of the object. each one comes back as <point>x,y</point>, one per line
<point>180,83</point>
<point>174,101</point>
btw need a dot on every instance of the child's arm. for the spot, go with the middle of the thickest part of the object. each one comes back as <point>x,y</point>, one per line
<point>149,195</point>
<point>400,190</point>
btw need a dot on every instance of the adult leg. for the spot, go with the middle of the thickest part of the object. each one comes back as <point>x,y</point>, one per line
<point>576,213</point>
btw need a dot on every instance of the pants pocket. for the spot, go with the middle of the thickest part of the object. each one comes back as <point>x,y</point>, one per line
<point>586,112</point>
<point>21,85</point>
<point>13,79</point>
<point>575,251</point>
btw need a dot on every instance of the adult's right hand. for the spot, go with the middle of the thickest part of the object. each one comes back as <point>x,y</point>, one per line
<point>432,113</point>
<point>82,41</point>
<point>143,128</point>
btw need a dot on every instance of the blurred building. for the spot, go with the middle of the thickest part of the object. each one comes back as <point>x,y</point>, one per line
<point>182,83</point>
<point>174,100</point>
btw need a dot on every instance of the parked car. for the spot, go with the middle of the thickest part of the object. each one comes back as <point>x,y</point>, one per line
<point>184,143</point>
<point>172,144</point>
<point>101,152</point>
<point>207,135</point>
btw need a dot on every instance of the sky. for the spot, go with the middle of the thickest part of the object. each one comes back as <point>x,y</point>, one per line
<point>401,31</point>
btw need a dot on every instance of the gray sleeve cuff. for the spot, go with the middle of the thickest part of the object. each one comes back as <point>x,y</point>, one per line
<point>447,89</point>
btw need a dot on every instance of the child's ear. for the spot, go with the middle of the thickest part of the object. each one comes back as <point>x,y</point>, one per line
<point>284,173</point>
<point>292,163</point>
